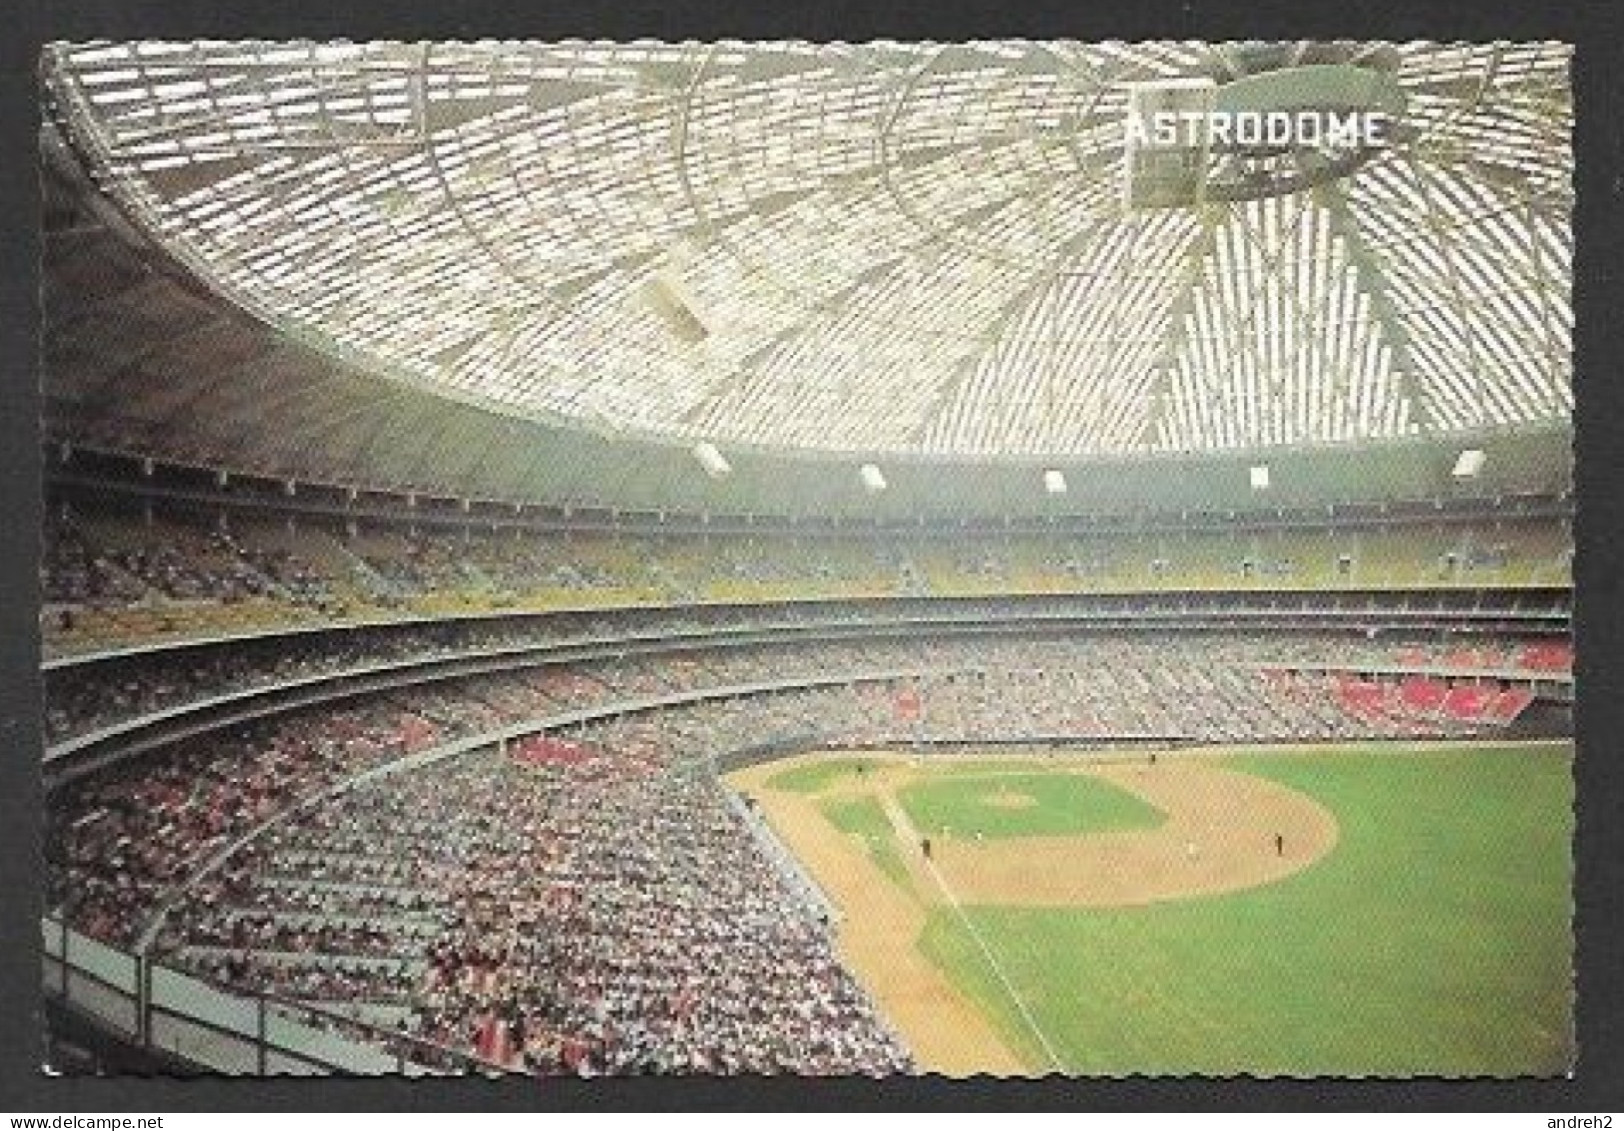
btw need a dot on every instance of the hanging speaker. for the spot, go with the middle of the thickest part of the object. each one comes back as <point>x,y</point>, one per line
<point>668,298</point>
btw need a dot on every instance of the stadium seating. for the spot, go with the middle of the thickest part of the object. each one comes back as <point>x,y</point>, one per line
<point>543,914</point>
<point>1553,657</point>
<point>406,903</point>
<point>456,454</point>
<point>398,905</point>
<point>126,835</point>
<point>112,579</point>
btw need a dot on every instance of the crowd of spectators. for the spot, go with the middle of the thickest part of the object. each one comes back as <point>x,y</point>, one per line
<point>600,913</point>
<point>342,574</point>
<point>127,834</point>
<point>76,574</point>
<point>119,841</point>
<point>165,569</point>
<point>82,698</point>
<point>590,903</point>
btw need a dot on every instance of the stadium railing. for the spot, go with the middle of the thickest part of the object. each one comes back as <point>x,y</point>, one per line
<point>163,1010</point>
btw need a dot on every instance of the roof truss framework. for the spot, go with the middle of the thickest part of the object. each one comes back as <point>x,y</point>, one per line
<point>926,243</point>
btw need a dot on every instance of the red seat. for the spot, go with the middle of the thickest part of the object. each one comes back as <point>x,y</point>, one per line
<point>1423,694</point>
<point>1546,657</point>
<point>1468,702</point>
<point>1510,703</point>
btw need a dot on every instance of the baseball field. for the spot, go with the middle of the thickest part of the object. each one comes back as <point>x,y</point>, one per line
<point>1378,909</point>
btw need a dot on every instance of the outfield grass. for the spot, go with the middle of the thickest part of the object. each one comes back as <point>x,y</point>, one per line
<point>815,777</point>
<point>1434,939</point>
<point>1049,804</point>
<point>864,817</point>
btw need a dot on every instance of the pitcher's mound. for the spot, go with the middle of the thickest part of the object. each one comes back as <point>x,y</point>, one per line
<point>1219,836</point>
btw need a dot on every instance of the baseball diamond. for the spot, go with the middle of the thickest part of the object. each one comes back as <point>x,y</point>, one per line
<point>1189,944</point>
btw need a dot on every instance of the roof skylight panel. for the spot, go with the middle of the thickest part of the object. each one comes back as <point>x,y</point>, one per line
<point>87,57</point>
<point>1438,333</point>
<point>1452,401</point>
<point>1492,394</point>
<point>1021,231</point>
<point>153,49</point>
<point>135,98</point>
<point>1524,385</point>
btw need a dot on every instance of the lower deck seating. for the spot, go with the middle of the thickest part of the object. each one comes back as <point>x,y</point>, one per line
<point>588,901</point>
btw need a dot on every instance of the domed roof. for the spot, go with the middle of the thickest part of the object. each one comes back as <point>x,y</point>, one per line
<point>959,250</point>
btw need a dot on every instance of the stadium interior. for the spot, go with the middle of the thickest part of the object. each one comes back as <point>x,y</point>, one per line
<point>459,456</point>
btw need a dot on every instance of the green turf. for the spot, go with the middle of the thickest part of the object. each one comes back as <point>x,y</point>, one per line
<point>864,817</point>
<point>965,804</point>
<point>1434,939</point>
<point>962,766</point>
<point>815,777</point>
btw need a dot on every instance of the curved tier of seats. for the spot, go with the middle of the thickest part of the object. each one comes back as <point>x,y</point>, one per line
<point>456,786</point>
<point>112,577</point>
<point>365,899</point>
<point>95,700</point>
